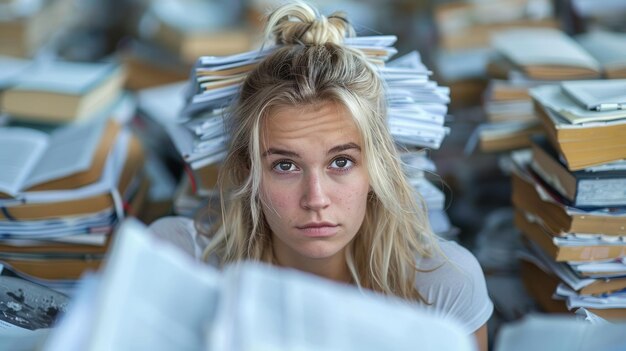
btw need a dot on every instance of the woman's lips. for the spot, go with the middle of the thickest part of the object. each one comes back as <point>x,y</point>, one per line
<point>319,230</point>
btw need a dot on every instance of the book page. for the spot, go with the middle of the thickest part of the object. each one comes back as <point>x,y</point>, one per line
<point>20,150</point>
<point>269,308</point>
<point>110,177</point>
<point>71,150</point>
<point>607,47</point>
<point>152,296</point>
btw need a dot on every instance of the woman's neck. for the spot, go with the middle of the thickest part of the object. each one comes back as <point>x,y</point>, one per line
<point>333,268</point>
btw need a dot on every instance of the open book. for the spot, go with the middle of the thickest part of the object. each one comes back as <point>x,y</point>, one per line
<point>153,296</point>
<point>546,54</point>
<point>69,157</point>
<point>607,48</point>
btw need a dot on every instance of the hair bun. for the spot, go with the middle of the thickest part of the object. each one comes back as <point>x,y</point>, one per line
<point>300,23</point>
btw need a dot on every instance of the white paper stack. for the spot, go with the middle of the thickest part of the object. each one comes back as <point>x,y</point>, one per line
<point>152,295</point>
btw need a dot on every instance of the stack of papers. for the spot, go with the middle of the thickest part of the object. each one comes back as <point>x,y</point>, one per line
<point>417,106</point>
<point>152,295</point>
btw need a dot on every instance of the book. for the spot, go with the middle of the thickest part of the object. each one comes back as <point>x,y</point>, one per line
<point>507,102</point>
<point>546,54</point>
<point>597,95</point>
<point>198,28</point>
<point>563,272</point>
<point>26,26</point>
<point>614,300</point>
<point>567,249</point>
<point>608,49</point>
<point>467,25</point>
<point>69,157</point>
<point>51,267</point>
<point>64,91</point>
<point>559,100</point>
<point>583,188</point>
<point>147,65</point>
<point>540,285</point>
<point>244,306</point>
<point>120,174</point>
<point>529,195</point>
<point>502,136</point>
<point>582,145</point>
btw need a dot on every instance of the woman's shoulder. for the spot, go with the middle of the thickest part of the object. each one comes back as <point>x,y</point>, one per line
<point>453,282</point>
<point>182,232</point>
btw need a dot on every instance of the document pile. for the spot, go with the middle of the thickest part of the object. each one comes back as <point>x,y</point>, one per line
<point>153,296</point>
<point>62,193</point>
<point>196,122</point>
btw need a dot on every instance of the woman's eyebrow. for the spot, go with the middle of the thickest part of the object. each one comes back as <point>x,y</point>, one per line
<point>275,151</point>
<point>343,147</point>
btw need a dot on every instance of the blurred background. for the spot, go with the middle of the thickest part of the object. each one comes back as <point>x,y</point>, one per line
<point>156,44</point>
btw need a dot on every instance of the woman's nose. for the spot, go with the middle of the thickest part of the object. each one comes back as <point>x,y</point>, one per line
<point>315,195</point>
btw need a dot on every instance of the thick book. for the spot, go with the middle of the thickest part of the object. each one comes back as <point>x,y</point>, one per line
<point>529,195</point>
<point>583,188</point>
<point>546,54</point>
<point>190,30</point>
<point>562,272</point>
<point>582,145</point>
<point>542,284</point>
<point>70,157</point>
<point>560,251</point>
<point>62,91</point>
<point>122,174</point>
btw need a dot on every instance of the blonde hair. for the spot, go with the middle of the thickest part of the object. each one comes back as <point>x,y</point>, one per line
<point>313,66</point>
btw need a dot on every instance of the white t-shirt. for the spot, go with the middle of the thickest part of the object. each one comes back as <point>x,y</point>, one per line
<point>456,288</point>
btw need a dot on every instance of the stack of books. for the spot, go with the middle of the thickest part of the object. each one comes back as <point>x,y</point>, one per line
<point>63,193</point>
<point>63,91</point>
<point>529,57</point>
<point>569,198</point>
<point>168,36</point>
<point>464,31</point>
<point>194,28</point>
<point>510,117</point>
<point>71,166</point>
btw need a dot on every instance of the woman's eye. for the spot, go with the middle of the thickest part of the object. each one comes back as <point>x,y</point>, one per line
<point>284,166</point>
<point>341,162</point>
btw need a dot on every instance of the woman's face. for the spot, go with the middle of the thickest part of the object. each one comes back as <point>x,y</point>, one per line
<point>314,184</point>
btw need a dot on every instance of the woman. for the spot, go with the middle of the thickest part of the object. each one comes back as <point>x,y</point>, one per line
<point>313,181</point>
